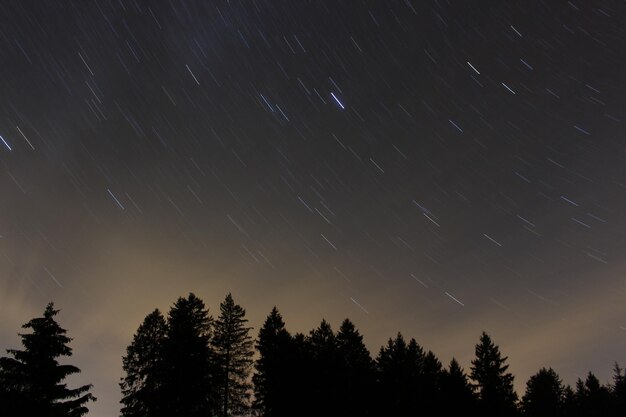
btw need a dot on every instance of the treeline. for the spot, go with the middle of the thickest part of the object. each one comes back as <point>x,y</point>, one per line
<point>189,364</point>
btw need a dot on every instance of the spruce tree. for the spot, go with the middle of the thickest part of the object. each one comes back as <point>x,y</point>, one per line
<point>233,350</point>
<point>399,367</point>
<point>144,368</point>
<point>570,405</point>
<point>593,399</point>
<point>430,391</point>
<point>494,384</point>
<point>189,371</point>
<point>322,376</point>
<point>32,378</point>
<point>303,384</point>
<point>273,379</point>
<point>355,375</point>
<point>618,391</point>
<point>457,393</point>
<point>544,395</point>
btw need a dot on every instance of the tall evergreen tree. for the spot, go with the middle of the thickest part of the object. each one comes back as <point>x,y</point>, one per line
<point>33,378</point>
<point>457,393</point>
<point>324,363</point>
<point>233,349</point>
<point>570,403</point>
<point>189,371</point>
<point>494,384</point>
<point>273,379</point>
<point>303,399</point>
<point>618,391</point>
<point>430,391</point>
<point>399,367</point>
<point>355,375</point>
<point>144,368</point>
<point>593,398</point>
<point>544,395</point>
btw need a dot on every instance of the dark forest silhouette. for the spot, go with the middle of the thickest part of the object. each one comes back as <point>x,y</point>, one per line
<point>190,364</point>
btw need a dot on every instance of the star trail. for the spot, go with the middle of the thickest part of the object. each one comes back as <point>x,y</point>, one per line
<point>432,167</point>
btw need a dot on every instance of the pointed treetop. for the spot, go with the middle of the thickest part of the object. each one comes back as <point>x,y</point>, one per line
<point>323,334</point>
<point>275,317</point>
<point>454,367</point>
<point>32,378</point>
<point>347,326</point>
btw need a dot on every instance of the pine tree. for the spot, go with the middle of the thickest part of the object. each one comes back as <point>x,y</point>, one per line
<point>494,384</point>
<point>355,375</point>
<point>544,395</point>
<point>143,365</point>
<point>188,370</point>
<point>233,349</point>
<point>33,378</point>
<point>457,393</point>
<point>274,368</point>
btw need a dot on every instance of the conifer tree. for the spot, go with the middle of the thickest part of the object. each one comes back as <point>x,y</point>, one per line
<point>458,395</point>
<point>399,368</point>
<point>233,350</point>
<point>570,404</point>
<point>593,399</point>
<point>144,368</point>
<point>273,379</point>
<point>303,399</point>
<point>618,391</point>
<point>355,375</point>
<point>324,361</point>
<point>544,395</point>
<point>189,370</point>
<point>497,396</point>
<point>32,378</point>
<point>430,393</point>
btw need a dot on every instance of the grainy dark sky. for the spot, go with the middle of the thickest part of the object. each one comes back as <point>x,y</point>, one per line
<point>434,167</point>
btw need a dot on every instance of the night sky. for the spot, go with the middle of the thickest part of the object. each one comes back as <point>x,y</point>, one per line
<point>438,168</point>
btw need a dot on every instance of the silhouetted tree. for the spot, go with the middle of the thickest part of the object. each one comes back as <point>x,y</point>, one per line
<point>324,362</point>
<point>143,364</point>
<point>273,380</point>
<point>494,384</point>
<point>430,394</point>
<point>355,376</point>
<point>399,367</point>
<point>592,398</point>
<point>192,366</point>
<point>618,392</point>
<point>233,349</point>
<point>544,395</point>
<point>32,378</point>
<point>303,400</point>
<point>458,395</point>
<point>189,372</point>
<point>570,403</point>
